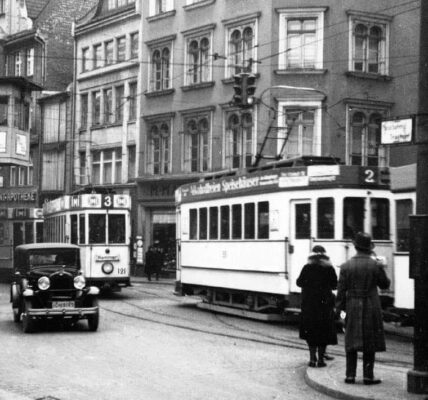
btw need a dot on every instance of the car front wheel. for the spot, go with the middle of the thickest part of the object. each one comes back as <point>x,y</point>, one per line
<point>28,324</point>
<point>94,319</point>
<point>16,314</point>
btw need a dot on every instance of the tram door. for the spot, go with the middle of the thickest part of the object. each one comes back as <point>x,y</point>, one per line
<point>300,239</point>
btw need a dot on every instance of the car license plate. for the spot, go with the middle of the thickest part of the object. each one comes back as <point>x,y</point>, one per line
<point>63,304</point>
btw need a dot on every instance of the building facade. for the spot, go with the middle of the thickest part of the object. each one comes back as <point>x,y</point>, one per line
<point>326,77</point>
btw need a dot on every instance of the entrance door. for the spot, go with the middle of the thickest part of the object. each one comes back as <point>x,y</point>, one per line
<point>300,239</point>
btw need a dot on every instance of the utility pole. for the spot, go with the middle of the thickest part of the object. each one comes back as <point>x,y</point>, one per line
<point>417,379</point>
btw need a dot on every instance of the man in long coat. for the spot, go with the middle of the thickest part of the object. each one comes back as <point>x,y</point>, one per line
<point>357,295</point>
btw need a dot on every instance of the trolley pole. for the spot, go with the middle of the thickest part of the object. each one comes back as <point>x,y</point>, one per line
<point>417,379</point>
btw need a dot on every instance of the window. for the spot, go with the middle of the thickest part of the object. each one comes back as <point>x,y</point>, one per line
<point>301,39</point>
<point>121,48</point>
<point>224,222</point>
<point>73,229</point>
<point>159,147</point>
<point>85,59</point>
<point>96,108</point>
<point>249,221</point>
<point>404,208</point>
<point>198,60</point>
<point>106,166</point>
<point>160,69</point>
<point>4,110</point>
<point>53,170</point>
<point>379,217</point>
<point>83,174</point>
<point>239,140</point>
<point>84,111</point>
<point>119,97</point>
<point>22,114</point>
<point>300,124</point>
<point>22,176</point>
<point>197,130</point>
<point>109,52</point>
<point>160,6</point>
<point>131,162</point>
<point>116,228</point>
<point>133,101</point>
<point>97,228</point>
<point>369,45</point>
<point>18,63</point>
<point>29,55</point>
<point>263,220</point>
<point>353,216</point>
<point>82,231</point>
<point>365,135</point>
<point>108,106</point>
<point>302,221</point>
<point>134,45</point>
<point>203,223</point>
<point>241,49</point>
<point>193,224</point>
<point>325,214</point>
<point>236,221</point>
<point>213,223</point>
<point>98,55</point>
<point>112,4</point>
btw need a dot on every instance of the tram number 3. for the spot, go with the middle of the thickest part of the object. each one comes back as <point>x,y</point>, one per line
<point>369,176</point>
<point>108,201</point>
<point>121,271</point>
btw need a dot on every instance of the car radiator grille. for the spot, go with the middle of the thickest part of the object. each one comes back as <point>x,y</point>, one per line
<point>62,282</point>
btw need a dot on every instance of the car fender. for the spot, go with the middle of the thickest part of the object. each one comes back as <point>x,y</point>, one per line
<point>15,294</point>
<point>93,291</point>
<point>28,293</point>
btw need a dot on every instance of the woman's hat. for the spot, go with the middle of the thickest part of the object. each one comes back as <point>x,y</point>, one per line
<point>363,241</point>
<point>318,249</point>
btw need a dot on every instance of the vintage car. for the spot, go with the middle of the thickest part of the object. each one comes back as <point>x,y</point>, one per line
<point>47,283</point>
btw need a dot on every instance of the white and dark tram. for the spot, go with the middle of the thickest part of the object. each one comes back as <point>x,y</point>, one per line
<point>244,237</point>
<point>100,224</point>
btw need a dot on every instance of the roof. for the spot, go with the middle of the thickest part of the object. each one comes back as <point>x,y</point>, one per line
<point>41,246</point>
<point>35,7</point>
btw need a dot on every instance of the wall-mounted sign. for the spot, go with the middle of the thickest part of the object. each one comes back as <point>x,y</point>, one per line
<point>397,131</point>
<point>21,196</point>
<point>21,144</point>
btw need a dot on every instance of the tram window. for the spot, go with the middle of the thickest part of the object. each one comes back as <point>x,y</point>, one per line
<point>82,235</point>
<point>225,222</point>
<point>39,232</point>
<point>29,234</point>
<point>303,221</point>
<point>73,228</point>
<point>203,223</point>
<point>97,228</point>
<point>237,221</point>
<point>193,224</point>
<point>213,223</point>
<point>353,216</point>
<point>403,209</point>
<point>263,220</point>
<point>249,221</point>
<point>116,228</point>
<point>325,221</point>
<point>380,218</point>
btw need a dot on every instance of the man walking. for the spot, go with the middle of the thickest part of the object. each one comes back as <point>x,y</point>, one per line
<point>357,295</point>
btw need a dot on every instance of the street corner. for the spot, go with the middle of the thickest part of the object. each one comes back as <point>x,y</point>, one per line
<point>330,381</point>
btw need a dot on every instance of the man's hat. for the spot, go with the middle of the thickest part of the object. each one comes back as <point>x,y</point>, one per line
<point>363,241</point>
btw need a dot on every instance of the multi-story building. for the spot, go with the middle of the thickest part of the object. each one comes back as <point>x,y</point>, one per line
<point>107,112</point>
<point>326,77</point>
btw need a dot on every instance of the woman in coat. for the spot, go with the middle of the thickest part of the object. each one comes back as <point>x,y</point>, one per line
<point>317,326</point>
<point>357,295</point>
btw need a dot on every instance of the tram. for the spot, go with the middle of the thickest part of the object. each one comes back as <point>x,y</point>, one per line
<point>100,225</point>
<point>243,237</point>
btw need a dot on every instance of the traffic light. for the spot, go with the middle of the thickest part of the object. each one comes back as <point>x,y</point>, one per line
<point>238,92</point>
<point>244,88</point>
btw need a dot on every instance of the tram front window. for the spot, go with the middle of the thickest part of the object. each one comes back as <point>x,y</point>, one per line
<point>97,228</point>
<point>353,216</point>
<point>116,228</point>
<point>380,218</point>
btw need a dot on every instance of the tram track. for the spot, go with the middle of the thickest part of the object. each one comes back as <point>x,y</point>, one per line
<point>239,332</point>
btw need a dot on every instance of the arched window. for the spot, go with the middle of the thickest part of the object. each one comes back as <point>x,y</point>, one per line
<point>199,60</point>
<point>159,135</point>
<point>239,140</point>
<point>160,69</point>
<point>241,49</point>
<point>197,131</point>
<point>156,70</point>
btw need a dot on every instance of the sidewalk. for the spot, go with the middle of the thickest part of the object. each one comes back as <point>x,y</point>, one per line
<point>330,381</point>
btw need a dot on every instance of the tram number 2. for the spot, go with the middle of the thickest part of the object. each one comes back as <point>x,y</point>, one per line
<point>121,271</point>
<point>369,176</point>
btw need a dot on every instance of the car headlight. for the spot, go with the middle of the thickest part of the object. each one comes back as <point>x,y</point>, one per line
<point>107,268</point>
<point>79,282</point>
<point>44,283</point>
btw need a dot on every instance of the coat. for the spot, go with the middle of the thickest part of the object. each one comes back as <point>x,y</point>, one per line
<point>317,280</point>
<point>358,296</point>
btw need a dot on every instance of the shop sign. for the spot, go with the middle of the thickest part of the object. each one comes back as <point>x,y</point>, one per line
<point>18,196</point>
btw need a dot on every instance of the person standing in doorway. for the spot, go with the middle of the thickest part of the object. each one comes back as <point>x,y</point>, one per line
<point>357,295</point>
<point>151,256</point>
<point>317,280</point>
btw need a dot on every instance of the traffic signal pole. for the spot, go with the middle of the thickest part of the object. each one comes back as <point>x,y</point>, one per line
<point>417,379</point>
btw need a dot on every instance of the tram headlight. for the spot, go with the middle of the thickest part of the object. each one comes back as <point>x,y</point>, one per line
<point>107,268</point>
<point>79,282</point>
<point>44,283</point>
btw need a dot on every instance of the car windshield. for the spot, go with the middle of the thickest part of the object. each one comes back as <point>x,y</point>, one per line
<point>54,257</point>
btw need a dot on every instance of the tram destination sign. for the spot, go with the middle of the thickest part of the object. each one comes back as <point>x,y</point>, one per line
<point>397,131</point>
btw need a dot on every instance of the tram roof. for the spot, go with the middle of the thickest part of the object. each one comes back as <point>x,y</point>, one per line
<point>301,174</point>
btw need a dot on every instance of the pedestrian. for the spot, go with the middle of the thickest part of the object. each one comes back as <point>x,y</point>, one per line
<point>158,259</point>
<point>150,262</point>
<point>357,295</point>
<point>317,326</point>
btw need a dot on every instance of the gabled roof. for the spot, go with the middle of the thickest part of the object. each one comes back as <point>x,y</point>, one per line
<point>35,7</point>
